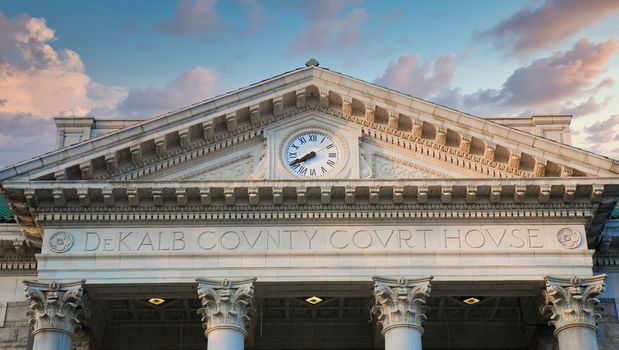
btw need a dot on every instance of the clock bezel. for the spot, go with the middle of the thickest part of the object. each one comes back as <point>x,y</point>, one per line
<point>336,137</point>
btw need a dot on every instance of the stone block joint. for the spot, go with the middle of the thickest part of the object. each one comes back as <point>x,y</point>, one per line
<point>401,302</point>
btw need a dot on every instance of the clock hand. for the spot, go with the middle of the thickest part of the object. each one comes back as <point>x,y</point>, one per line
<point>308,156</point>
<point>322,149</point>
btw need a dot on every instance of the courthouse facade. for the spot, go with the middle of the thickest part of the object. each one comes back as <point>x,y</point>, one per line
<point>311,210</point>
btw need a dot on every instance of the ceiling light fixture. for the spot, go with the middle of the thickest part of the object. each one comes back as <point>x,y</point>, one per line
<point>471,301</point>
<point>313,300</point>
<point>156,301</point>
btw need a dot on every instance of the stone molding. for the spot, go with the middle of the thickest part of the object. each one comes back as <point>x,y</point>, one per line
<point>226,304</point>
<point>400,303</point>
<point>306,81</point>
<point>570,302</point>
<point>54,306</point>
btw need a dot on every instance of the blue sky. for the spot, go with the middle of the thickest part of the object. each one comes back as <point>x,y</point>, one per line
<point>141,58</point>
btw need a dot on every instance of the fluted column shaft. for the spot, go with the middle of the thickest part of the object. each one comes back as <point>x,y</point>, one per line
<point>226,310</point>
<point>54,309</point>
<point>570,303</point>
<point>400,309</point>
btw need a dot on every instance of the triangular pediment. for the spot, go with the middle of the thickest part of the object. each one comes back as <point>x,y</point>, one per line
<point>389,134</point>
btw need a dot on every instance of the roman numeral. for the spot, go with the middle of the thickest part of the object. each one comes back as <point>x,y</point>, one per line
<point>323,139</point>
<point>323,170</point>
<point>330,163</point>
<point>313,137</point>
<point>294,146</point>
<point>302,139</point>
<point>294,166</point>
<point>292,154</point>
<point>332,155</point>
<point>330,146</point>
<point>302,170</point>
<point>312,172</point>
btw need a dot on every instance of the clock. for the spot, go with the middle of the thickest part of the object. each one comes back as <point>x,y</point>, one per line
<point>312,154</point>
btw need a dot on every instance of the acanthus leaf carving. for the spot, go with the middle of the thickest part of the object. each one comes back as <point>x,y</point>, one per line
<point>236,168</point>
<point>401,302</point>
<point>54,306</point>
<point>388,167</point>
<point>570,302</point>
<point>226,304</point>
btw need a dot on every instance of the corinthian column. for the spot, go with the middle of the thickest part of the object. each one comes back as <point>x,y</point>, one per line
<point>400,310</point>
<point>570,304</point>
<point>54,309</point>
<point>226,309</point>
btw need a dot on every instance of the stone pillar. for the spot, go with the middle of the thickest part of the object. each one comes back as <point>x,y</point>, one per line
<point>570,304</point>
<point>226,309</point>
<point>400,310</point>
<point>54,309</point>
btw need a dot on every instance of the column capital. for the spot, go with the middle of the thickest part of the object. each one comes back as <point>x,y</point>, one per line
<point>570,302</point>
<point>226,304</point>
<point>400,303</point>
<point>54,306</point>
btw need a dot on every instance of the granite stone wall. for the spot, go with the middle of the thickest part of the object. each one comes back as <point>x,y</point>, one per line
<point>608,325</point>
<point>15,330</point>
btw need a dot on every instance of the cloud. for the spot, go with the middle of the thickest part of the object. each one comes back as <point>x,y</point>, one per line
<point>193,17</point>
<point>37,82</point>
<point>552,80</point>
<point>423,79</point>
<point>191,86</point>
<point>531,29</point>
<point>24,136</point>
<point>331,26</point>
<point>603,136</point>
<point>588,107</point>
<point>40,81</point>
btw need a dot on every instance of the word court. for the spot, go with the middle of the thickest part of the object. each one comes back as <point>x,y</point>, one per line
<point>317,238</point>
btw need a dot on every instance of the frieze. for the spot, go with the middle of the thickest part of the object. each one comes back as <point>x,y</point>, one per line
<point>311,238</point>
<point>232,169</point>
<point>389,167</point>
<point>201,148</point>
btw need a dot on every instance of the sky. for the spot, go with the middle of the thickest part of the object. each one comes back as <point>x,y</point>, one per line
<point>142,58</point>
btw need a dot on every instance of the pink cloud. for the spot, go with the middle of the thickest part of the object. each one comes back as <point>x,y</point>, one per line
<point>531,29</point>
<point>330,27</point>
<point>422,79</point>
<point>588,107</point>
<point>552,80</point>
<point>603,137</point>
<point>193,17</point>
<point>191,86</point>
<point>38,80</point>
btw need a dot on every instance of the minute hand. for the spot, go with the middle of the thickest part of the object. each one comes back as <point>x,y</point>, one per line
<point>322,149</point>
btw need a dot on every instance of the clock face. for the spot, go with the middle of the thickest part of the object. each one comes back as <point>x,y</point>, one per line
<point>311,154</point>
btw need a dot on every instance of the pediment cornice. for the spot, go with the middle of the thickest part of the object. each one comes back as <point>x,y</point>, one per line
<point>489,148</point>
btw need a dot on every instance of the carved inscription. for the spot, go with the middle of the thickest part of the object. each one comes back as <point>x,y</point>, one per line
<point>319,238</point>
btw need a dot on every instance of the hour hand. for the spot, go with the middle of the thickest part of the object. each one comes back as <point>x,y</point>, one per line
<point>310,155</point>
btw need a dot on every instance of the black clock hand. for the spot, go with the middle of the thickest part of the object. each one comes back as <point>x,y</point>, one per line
<point>308,156</point>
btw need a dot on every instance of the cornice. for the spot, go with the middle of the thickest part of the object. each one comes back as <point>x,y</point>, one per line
<point>45,201</point>
<point>252,107</point>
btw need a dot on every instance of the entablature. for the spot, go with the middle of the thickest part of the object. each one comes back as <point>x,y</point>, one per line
<point>47,202</point>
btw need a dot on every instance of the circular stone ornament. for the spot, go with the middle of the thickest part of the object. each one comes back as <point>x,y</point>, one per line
<point>569,238</point>
<point>60,242</point>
